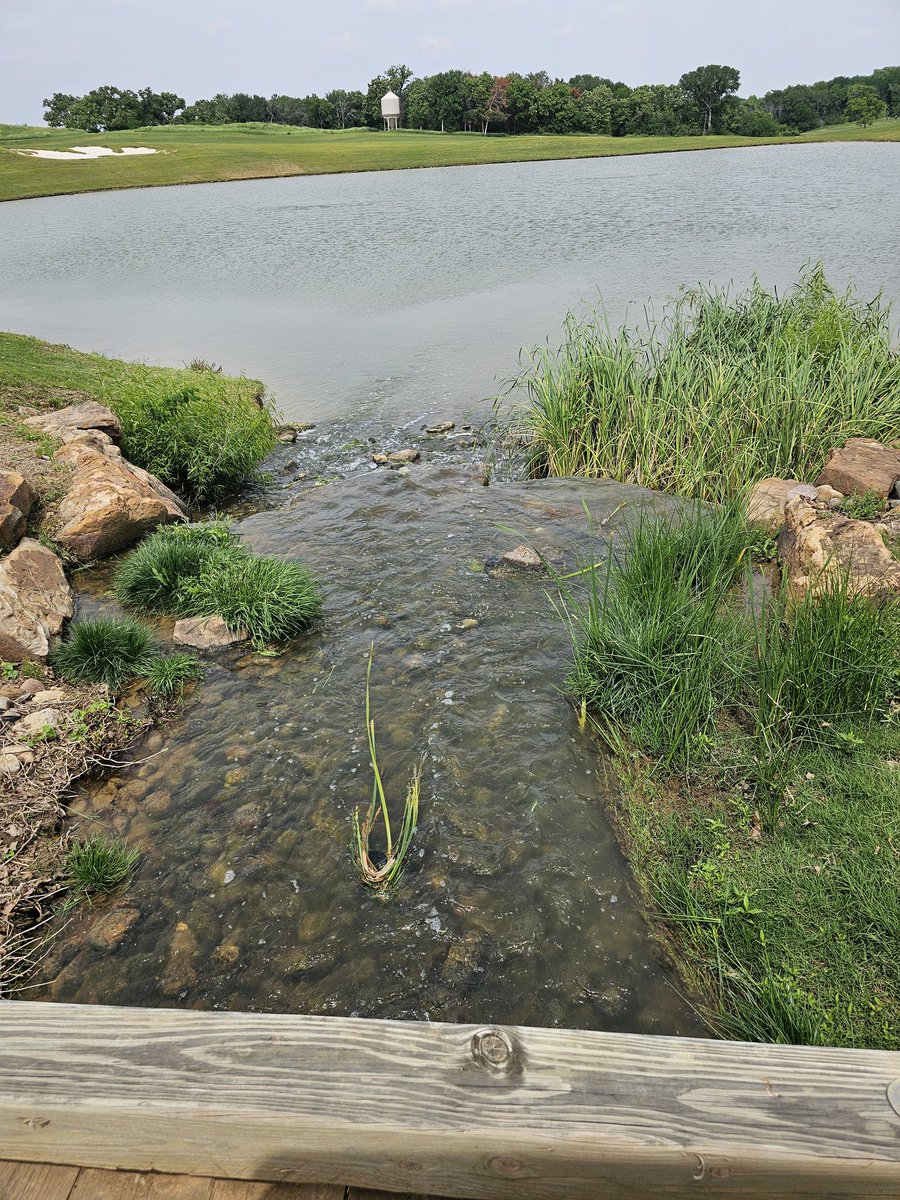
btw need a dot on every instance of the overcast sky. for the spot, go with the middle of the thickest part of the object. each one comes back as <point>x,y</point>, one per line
<point>200,47</point>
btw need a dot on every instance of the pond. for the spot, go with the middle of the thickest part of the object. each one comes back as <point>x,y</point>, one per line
<point>409,294</point>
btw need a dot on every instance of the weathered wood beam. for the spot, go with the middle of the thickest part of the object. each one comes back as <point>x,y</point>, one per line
<point>496,1113</point>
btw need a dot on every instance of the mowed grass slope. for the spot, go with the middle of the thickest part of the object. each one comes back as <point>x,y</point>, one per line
<point>201,154</point>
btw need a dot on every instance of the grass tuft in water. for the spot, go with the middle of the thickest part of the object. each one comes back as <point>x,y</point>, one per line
<point>98,866</point>
<point>378,871</point>
<point>719,393</point>
<point>198,570</point>
<point>169,674</point>
<point>106,650</point>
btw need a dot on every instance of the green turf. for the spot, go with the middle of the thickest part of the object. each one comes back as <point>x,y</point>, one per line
<point>36,366</point>
<point>200,154</point>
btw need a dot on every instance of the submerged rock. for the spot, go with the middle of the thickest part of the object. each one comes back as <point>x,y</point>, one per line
<point>441,427</point>
<point>181,971</point>
<point>35,599</point>
<point>816,550</point>
<point>400,457</point>
<point>862,465</point>
<point>16,499</point>
<point>109,930</point>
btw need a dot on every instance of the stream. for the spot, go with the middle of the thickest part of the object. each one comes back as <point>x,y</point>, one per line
<point>516,905</point>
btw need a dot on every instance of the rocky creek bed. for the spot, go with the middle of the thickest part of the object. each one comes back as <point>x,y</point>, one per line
<point>516,905</point>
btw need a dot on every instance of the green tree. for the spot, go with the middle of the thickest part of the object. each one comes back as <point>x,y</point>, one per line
<point>347,106</point>
<point>556,109</point>
<point>57,109</point>
<point>707,87</point>
<point>864,106</point>
<point>749,118</point>
<point>594,107</point>
<point>448,98</point>
<point>521,96</point>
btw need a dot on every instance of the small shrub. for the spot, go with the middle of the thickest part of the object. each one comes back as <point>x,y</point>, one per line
<point>200,439</point>
<point>168,675</point>
<point>862,508</point>
<point>98,866</point>
<point>107,650</point>
<point>201,364</point>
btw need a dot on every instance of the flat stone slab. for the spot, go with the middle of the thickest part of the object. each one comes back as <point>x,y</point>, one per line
<point>206,633</point>
<point>860,466</point>
<point>89,415</point>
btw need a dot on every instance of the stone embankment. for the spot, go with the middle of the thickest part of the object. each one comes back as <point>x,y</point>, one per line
<point>822,536</point>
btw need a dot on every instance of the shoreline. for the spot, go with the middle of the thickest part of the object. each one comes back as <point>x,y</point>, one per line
<point>736,143</point>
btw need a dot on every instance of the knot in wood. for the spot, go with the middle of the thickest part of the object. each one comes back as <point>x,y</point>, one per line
<point>493,1049</point>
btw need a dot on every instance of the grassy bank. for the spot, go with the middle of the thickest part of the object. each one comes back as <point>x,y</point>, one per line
<point>758,740</point>
<point>203,154</point>
<point>202,433</point>
<point>758,750</point>
<point>721,392</point>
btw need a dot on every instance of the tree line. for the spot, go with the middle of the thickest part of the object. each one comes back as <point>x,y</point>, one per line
<point>703,101</point>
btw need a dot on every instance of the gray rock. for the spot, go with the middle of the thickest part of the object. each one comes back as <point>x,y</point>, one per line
<point>35,722</point>
<point>206,633</point>
<point>16,499</point>
<point>89,415</point>
<point>523,556</point>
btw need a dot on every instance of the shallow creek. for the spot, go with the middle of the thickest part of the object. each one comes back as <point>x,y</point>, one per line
<point>516,906</point>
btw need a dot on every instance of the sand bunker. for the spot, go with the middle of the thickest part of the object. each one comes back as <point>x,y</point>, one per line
<point>81,152</point>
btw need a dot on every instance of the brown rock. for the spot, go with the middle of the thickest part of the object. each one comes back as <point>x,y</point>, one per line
<point>441,427</point>
<point>815,551</point>
<point>206,633</point>
<point>16,499</point>
<point>54,695</point>
<point>399,457</point>
<point>37,722</point>
<point>180,973</point>
<point>35,599</point>
<point>89,415</point>
<point>381,459</point>
<point>766,504</point>
<point>109,930</point>
<point>110,503</point>
<point>31,687</point>
<point>523,556</point>
<point>860,466</point>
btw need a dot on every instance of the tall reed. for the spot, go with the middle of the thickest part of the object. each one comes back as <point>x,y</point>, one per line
<point>720,392</point>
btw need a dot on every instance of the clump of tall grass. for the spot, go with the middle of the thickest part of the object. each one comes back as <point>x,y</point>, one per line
<point>199,570</point>
<point>168,675</point>
<point>110,650</point>
<point>200,439</point>
<point>97,866</point>
<point>380,872</point>
<point>720,392</point>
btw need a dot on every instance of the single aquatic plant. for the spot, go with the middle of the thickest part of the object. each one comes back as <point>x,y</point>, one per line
<point>380,876</point>
<point>98,866</point>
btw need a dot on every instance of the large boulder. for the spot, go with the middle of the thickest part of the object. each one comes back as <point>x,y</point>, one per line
<point>16,499</point>
<point>35,599</point>
<point>89,415</point>
<point>110,502</point>
<point>767,500</point>
<point>818,550</point>
<point>860,466</point>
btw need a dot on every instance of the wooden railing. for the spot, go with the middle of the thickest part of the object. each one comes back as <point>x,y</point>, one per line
<point>499,1113</point>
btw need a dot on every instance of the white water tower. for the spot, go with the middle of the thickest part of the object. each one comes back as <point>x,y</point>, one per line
<point>390,110</point>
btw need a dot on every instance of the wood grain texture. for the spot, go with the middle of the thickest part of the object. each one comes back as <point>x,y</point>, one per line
<point>130,1185</point>
<point>35,1181</point>
<point>445,1110</point>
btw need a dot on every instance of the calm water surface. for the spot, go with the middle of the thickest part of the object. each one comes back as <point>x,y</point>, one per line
<point>410,293</point>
